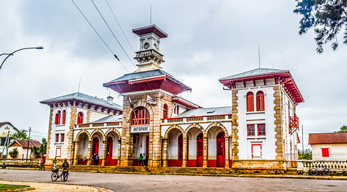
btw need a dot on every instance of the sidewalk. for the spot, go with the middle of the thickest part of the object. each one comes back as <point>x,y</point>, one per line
<point>44,187</point>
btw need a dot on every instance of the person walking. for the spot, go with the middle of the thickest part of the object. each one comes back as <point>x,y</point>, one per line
<point>97,159</point>
<point>141,159</point>
<point>93,159</point>
<point>55,162</point>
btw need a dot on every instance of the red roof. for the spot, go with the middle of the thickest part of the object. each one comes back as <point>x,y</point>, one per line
<point>150,29</point>
<point>24,143</point>
<point>327,138</point>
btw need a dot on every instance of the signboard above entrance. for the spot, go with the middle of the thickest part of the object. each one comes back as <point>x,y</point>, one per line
<point>140,129</point>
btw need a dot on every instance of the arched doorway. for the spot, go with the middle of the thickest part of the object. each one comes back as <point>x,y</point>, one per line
<point>200,150</point>
<point>95,152</point>
<point>180,148</point>
<point>221,149</point>
<point>82,153</point>
<point>109,151</point>
<point>140,120</point>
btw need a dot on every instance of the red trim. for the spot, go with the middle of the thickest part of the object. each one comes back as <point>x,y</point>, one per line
<point>64,117</point>
<point>264,129</point>
<point>82,162</point>
<point>260,101</point>
<point>260,149</point>
<point>248,127</point>
<point>174,162</point>
<point>250,101</point>
<point>56,150</point>
<point>62,135</point>
<point>191,162</point>
<point>286,80</point>
<point>211,163</point>
<point>184,103</point>
<point>56,137</point>
<point>150,29</point>
<point>147,80</point>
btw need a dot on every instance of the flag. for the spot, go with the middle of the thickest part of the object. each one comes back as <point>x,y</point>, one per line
<point>131,103</point>
<point>151,101</point>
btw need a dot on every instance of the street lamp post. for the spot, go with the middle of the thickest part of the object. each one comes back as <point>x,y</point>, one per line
<point>9,54</point>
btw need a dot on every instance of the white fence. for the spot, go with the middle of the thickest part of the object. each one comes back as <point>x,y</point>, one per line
<point>334,166</point>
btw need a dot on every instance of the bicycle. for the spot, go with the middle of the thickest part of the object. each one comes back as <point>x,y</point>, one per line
<point>319,171</point>
<point>64,175</point>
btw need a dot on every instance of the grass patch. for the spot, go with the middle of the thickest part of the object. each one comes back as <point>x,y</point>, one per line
<point>6,186</point>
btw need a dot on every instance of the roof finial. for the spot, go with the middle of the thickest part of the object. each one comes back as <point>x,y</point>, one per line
<point>259,55</point>
<point>79,84</point>
<point>150,15</point>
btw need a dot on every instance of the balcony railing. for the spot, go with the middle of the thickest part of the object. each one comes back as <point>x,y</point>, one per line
<point>197,118</point>
<point>293,123</point>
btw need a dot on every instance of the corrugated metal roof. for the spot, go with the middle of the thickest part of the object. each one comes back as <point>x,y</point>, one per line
<point>327,138</point>
<point>255,72</point>
<point>185,100</point>
<point>85,98</point>
<point>111,118</point>
<point>24,143</point>
<point>207,112</point>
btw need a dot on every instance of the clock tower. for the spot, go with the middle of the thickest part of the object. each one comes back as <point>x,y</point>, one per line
<point>149,57</point>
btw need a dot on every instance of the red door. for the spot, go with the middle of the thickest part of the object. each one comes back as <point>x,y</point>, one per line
<point>200,149</point>
<point>221,149</point>
<point>109,151</point>
<point>95,149</point>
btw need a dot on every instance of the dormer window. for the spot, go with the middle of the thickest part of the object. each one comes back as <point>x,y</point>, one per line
<point>165,110</point>
<point>80,118</point>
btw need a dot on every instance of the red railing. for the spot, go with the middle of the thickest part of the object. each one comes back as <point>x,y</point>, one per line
<point>293,123</point>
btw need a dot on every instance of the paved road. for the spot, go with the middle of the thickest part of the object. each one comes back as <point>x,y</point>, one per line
<point>132,182</point>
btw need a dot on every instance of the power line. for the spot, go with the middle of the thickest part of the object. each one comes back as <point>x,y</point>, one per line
<point>114,16</point>
<point>99,35</point>
<point>112,32</point>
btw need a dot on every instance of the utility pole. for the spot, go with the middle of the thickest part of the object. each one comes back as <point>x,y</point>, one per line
<point>302,138</point>
<point>28,145</point>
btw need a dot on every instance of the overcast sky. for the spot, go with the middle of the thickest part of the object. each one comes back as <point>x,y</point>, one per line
<point>207,40</point>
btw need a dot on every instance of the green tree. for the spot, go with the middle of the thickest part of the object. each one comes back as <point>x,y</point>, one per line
<point>13,153</point>
<point>43,146</point>
<point>22,134</point>
<point>327,17</point>
<point>36,151</point>
<point>343,129</point>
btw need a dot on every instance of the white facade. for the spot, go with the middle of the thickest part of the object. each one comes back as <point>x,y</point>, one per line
<point>5,128</point>
<point>333,152</point>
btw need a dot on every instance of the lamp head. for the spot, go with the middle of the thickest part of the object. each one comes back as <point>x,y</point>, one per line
<point>40,47</point>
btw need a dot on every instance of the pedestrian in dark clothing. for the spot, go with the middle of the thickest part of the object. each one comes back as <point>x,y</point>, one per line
<point>146,160</point>
<point>93,159</point>
<point>4,166</point>
<point>97,160</point>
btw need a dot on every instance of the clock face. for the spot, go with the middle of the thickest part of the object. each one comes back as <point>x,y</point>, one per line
<point>146,45</point>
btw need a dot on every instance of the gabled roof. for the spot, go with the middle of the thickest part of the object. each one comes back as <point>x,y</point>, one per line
<point>24,143</point>
<point>185,102</point>
<point>111,118</point>
<point>207,112</point>
<point>255,72</point>
<point>84,98</point>
<point>139,79</point>
<point>6,122</point>
<point>282,77</point>
<point>327,138</point>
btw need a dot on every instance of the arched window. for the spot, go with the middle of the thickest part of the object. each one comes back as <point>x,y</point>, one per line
<point>165,111</point>
<point>140,116</point>
<point>57,118</point>
<point>64,117</point>
<point>80,118</point>
<point>177,110</point>
<point>260,101</point>
<point>250,101</point>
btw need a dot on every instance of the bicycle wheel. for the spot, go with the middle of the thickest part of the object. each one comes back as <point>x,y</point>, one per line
<point>314,172</point>
<point>64,178</point>
<point>54,176</point>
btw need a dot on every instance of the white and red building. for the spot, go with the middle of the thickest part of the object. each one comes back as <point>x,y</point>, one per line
<point>328,146</point>
<point>258,131</point>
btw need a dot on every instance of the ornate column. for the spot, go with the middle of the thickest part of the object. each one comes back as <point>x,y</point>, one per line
<point>205,151</point>
<point>75,160</point>
<point>184,162</point>
<point>165,152</point>
<point>90,143</point>
<point>104,151</point>
<point>226,148</point>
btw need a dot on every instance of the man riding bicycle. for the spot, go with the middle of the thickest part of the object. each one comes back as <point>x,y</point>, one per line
<point>65,173</point>
<point>65,167</point>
